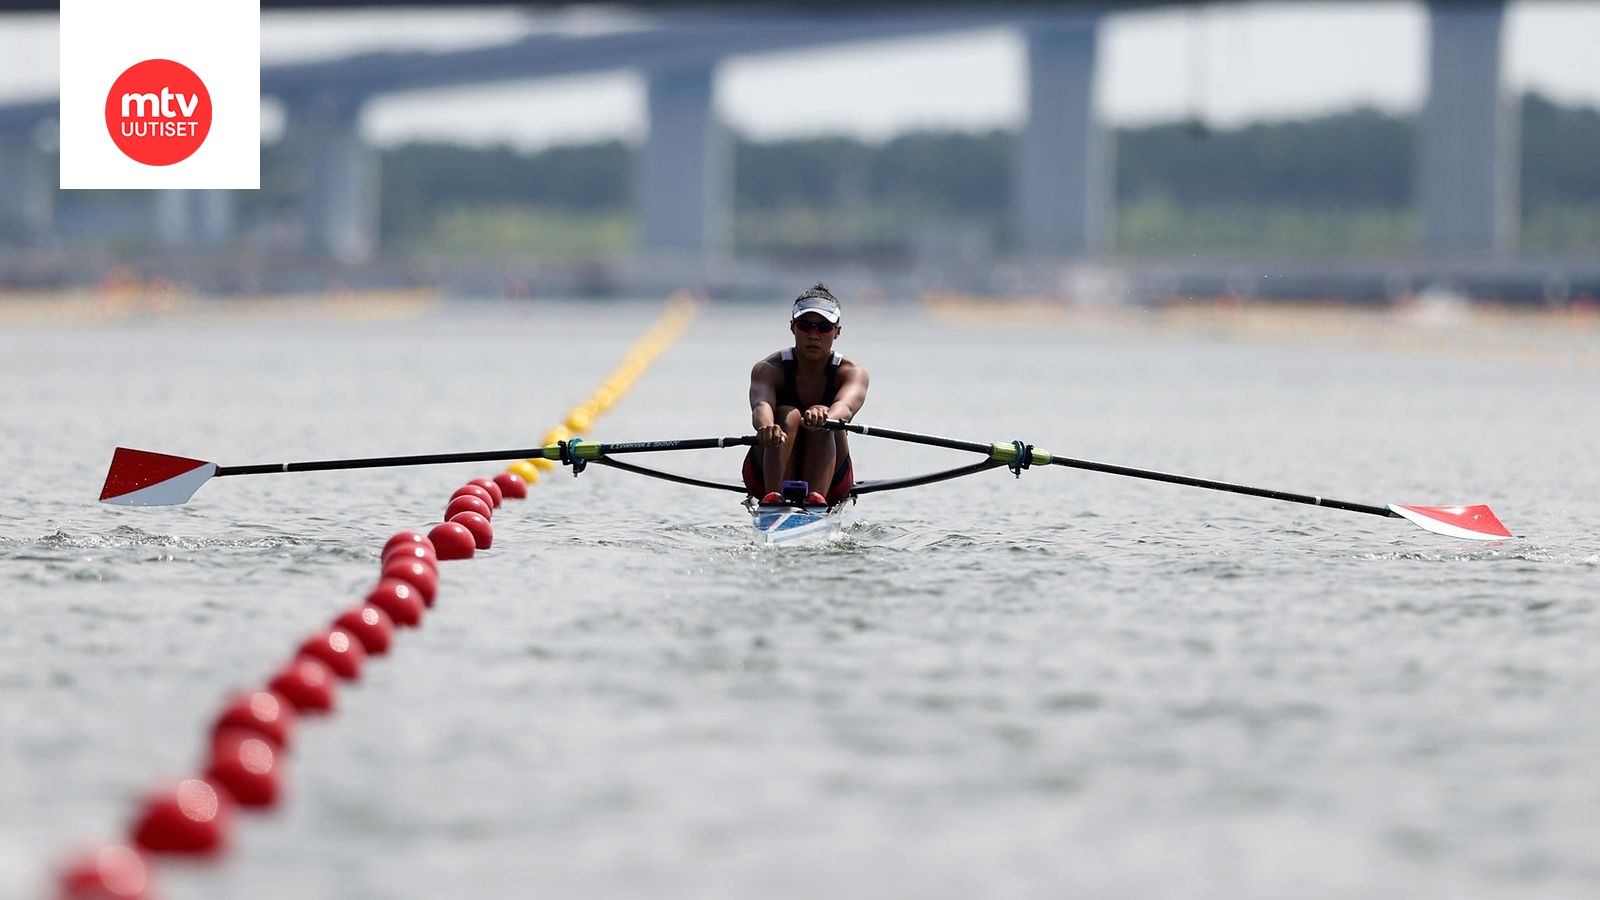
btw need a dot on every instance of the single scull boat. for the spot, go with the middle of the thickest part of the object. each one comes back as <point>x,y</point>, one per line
<point>141,478</point>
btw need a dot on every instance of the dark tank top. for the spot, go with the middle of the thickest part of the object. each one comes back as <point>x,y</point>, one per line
<point>789,396</point>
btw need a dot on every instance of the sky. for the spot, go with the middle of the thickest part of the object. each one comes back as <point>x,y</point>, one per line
<point>1227,64</point>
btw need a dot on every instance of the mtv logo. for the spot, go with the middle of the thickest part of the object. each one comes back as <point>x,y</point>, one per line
<point>160,94</point>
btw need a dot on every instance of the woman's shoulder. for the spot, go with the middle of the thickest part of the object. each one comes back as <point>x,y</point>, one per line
<point>766,365</point>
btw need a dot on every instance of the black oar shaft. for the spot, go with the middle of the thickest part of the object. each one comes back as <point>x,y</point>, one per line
<point>687,444</point>
<point>584,449</point>
<point>382,461</point>
<point>993,451</point>
<point>912,437</point>
<point>1222,486</point>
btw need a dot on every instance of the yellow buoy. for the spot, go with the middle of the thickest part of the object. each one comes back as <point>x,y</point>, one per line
<point>526,470</point>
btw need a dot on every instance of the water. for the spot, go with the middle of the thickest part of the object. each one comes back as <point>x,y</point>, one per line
<point>1068,684</point>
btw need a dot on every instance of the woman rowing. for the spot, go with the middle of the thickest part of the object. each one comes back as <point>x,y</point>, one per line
<point>793,393</point>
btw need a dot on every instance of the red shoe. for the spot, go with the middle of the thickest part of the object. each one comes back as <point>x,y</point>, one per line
<point>816,499</point>
<point>772,499</point>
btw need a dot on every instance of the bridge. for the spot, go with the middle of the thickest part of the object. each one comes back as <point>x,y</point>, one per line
<point>1062,174</point>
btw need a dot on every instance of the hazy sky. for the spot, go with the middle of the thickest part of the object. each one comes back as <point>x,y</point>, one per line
<point>1229,63</point>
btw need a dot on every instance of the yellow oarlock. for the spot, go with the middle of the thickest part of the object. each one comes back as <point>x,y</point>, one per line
<point>1007,453</point>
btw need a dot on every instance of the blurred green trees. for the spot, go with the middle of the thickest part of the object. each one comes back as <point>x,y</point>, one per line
<point>1325,186</point>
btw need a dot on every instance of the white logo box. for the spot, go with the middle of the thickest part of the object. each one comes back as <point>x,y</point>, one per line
<point>219,39</point>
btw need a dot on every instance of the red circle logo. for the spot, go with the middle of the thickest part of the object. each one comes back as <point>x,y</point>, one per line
<point>158,112</point>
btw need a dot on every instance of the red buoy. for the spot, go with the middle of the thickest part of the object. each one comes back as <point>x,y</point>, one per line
<point>307,683</point>
<point>424,578</point>
<point>264,712</point>
<point>340,649</point>
<point>423,553</point>
<point>399,599</point>
<point>246,766</point>
<point>465,503</point>
<point>405,537</point>
<point>371,626</point>
<point>191,817</point>
<point>482,533</point>
<point>475,490</point>
<point>512,487</point>
<point>112,872</point>
<point>489,485</point>
<point>453,540</point>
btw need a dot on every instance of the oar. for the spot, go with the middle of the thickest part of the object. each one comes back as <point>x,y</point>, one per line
<point>1476,522</point>
<point>142,478</point>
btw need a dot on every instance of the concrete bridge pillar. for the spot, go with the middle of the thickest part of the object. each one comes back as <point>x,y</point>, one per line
<point>1468,157</point>
<point>215,214</point>
<point>187,218</point>
<point>1063,201</point>
<point>27,190</point>
<point>174,219</point>
<point>685,182</point>
<point>341,188</point>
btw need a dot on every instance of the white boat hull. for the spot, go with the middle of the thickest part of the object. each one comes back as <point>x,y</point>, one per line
<point>783,524</point>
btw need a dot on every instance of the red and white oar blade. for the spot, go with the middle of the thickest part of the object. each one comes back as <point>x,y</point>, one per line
<point>142,478</point>
<point>1474,523</point>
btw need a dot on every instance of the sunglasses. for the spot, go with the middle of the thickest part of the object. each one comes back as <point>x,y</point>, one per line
<point>818,327</point>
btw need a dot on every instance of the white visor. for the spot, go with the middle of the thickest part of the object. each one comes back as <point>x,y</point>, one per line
<point>822,306</point>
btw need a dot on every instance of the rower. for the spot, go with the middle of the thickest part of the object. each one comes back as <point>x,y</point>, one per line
<point>793,393</point>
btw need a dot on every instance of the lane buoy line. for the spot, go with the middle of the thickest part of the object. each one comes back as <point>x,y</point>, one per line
<point>252,735</point>
<point>663,334</point>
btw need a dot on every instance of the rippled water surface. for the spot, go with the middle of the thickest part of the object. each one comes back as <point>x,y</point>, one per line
<point>1071,684</point>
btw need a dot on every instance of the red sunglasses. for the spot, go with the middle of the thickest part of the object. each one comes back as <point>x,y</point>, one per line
<point>818,327</point>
